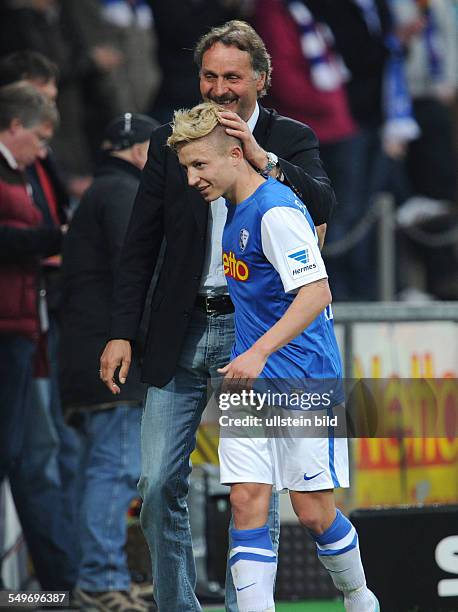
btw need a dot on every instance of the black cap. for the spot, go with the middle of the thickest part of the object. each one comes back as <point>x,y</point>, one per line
<point>127,130</point>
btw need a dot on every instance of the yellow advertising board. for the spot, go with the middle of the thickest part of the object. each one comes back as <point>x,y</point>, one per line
<point>420,464</point>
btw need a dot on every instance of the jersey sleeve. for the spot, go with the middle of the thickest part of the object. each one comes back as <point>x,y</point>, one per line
<point>291,246</point>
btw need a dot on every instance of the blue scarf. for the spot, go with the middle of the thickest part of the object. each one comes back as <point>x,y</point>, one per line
<point>327,69</point>
<point>397,104</point>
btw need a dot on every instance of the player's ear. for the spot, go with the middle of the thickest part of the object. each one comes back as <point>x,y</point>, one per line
<point>236,153</point>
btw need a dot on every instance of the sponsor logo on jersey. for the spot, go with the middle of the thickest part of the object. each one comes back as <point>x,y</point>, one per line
<point>235,268</point>
<point>301,261</point>
<point>301,256</point>
<point>243,239</point>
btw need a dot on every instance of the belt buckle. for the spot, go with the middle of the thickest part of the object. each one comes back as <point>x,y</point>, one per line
<point>208,307</point>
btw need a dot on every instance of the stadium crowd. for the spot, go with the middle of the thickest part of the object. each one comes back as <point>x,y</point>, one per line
<point>83,84</point>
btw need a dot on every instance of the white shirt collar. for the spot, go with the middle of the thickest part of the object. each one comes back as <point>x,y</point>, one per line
<point>12,163</point>
<point>251,123</point>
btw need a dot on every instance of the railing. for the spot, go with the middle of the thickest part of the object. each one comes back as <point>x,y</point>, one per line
<point>382,214</point>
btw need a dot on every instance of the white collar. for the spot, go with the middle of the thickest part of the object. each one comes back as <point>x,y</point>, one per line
<point>251,123</point>
<point>12,163</point>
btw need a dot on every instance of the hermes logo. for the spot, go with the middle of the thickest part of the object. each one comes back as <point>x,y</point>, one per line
<point>235,268</point>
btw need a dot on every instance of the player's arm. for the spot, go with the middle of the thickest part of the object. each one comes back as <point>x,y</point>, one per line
<point>309,302</point>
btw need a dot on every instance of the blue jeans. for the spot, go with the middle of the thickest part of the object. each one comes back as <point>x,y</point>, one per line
<point>108,476</point>
<point>38,496</point>
<point>16,354</point>
<point>42,483</point>
<point>169,424</point>
<point>67,457</point>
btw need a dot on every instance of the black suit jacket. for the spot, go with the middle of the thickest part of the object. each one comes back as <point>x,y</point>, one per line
<point>166,207</point>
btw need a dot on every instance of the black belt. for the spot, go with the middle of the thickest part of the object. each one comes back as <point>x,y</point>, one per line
<point>215,304</point>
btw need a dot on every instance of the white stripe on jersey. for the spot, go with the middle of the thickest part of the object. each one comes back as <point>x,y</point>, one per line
<point>291,246</point>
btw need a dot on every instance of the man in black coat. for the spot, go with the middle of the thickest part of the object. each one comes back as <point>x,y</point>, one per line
<point>108,427</point>
<point>191,328</point>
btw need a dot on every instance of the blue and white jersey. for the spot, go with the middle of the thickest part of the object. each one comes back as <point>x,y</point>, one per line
<point>270,250</point>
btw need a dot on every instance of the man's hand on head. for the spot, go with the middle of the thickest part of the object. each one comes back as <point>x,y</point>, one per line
<point>117,354</point>
<point>237,127</point>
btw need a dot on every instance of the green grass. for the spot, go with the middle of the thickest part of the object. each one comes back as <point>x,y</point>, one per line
<point>306,606</point>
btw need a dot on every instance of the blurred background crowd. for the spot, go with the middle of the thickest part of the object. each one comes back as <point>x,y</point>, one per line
<point>375,79</point>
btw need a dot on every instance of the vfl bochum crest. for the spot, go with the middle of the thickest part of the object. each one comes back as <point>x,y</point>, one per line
<point>243,239</point>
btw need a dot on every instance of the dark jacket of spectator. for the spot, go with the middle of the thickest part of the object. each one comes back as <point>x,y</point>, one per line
<point>23,240</point>
<point>363,51</point>
<point>90,260</point>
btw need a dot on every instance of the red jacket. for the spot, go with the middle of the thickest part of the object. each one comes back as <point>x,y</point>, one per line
<point>18,275</point>
<point>293,93</point>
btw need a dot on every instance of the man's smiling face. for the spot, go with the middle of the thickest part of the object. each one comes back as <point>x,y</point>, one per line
<point>227,78</point>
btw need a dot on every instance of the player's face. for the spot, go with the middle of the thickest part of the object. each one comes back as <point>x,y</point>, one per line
<point>228,79</point>
<point>208,168</point>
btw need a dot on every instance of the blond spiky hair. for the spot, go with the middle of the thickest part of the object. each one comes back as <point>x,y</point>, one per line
<point>194,123</point>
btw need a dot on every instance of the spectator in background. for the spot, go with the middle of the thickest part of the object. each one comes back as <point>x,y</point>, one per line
<point>364,37</point>
<point>129,25</point>
<point>124,27</point>
<point>308,85</point>
<point>427,29</point>
<point>27,122</point>
<point>33,67</point>
<point>108,427</point>
<point>50,27</point>
<point>178,25</point>
<point>43,483</point>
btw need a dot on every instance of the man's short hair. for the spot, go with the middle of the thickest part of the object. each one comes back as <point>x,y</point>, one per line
<point>192,124</point>
<point>241,35</point>
<point>23,102</point>
<point>27,65</point>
